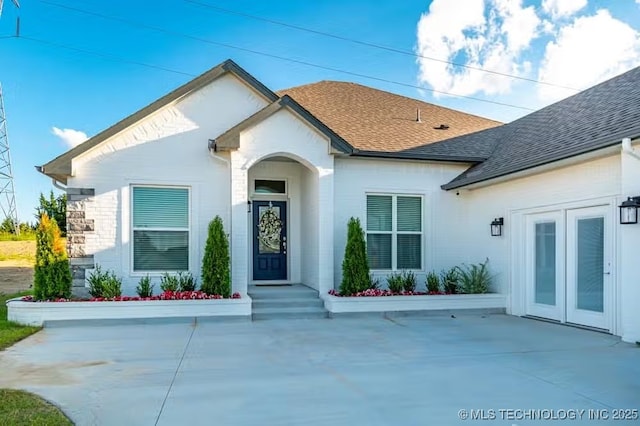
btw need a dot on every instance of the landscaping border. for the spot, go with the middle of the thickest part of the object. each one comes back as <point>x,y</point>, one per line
<point>460,302</point>
<point>39,313</point>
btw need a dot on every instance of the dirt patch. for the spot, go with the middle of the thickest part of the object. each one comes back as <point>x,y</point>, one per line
<point>16,265</point>
<point>20,374</point>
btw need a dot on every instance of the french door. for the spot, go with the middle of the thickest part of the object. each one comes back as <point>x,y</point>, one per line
<point>545,265</point>
<point>568,270</point>
<point>588,266</point>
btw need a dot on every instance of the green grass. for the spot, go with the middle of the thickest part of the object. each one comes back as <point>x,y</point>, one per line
<point>18,256</point>
<point>23,408</point>
<point>25,236</point>
<point>20,407</point>
<point>11,332</point>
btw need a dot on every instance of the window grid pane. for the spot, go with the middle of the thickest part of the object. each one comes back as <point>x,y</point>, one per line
<point>409,215</point>
<point>379,251</point>
<point>409,251</point>
<point>160,207</point>
<point>379,211</point>
<point>160,250</point>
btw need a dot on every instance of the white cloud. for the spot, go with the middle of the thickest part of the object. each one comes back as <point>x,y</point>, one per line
<point>490,35</point>
<point>587,51</point>
<point>70,137</point>
<point>563,8</point>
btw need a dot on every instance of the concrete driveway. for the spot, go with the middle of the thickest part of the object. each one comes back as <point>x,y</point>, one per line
<point>346,371</point>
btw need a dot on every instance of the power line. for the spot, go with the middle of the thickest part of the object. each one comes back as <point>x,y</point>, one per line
<point>373,45</point>
<point>106,56</point>
<point>243,49</point>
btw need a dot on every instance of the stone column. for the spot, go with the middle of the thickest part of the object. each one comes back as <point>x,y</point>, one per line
<point>77,228</point>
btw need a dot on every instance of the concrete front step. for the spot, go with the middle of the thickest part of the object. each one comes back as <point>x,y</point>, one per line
<point>281,292</point>
<point>291,313</point>
<point>287,302</point>
<point>291,301</point>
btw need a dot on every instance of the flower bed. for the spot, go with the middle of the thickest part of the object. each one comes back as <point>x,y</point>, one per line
<point>386,301</point>
<point>191,304</point>
<point>167,295</point>
<point>386,293</point>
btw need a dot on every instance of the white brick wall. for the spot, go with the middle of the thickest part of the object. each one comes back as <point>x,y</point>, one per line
<point>357,177</point>
<point>167,148</point>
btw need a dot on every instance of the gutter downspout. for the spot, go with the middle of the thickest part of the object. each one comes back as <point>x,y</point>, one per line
<point>59,185</point>
<point>627,148</point>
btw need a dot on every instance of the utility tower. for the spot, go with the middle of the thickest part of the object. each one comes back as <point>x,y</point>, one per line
<point>7,189</point>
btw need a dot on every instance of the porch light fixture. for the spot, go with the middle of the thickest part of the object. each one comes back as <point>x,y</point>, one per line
<point>249,206</point>
<point>629,210</point>
<point>496,227</point>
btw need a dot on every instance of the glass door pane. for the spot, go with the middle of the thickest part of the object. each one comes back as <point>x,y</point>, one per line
<point>590,264</point>
<point>545,263</point>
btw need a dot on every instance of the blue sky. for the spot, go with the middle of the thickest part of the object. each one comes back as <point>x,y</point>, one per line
<point>574,43</point>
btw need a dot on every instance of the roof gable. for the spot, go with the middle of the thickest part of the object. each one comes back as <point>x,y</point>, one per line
<point>60,167</point>
<point>230,139</point>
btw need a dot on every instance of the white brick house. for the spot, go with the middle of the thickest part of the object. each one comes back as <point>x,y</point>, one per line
<point>425,181</point>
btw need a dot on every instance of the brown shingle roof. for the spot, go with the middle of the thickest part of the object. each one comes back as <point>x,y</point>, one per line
<point>374,120</point>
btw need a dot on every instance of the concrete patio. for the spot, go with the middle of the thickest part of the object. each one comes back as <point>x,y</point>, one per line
<point>346,371</point>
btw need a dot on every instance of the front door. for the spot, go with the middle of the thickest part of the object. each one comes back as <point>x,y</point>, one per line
<point>588,266</point>
<point>269,240</point>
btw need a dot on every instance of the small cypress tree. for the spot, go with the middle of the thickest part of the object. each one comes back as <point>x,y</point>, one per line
<point>355,266</point>
<point>52,277</point>
<point>216,271</point>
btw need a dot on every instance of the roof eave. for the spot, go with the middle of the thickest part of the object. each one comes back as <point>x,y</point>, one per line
<point>422,157</point>
<point>549,164</point>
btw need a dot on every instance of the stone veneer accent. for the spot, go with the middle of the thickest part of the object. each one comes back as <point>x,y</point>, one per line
<point>77,227</point>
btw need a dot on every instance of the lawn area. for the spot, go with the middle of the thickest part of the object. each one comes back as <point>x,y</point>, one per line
<point>10,332</point>
<point>20,407</point>
<point>23,408</point>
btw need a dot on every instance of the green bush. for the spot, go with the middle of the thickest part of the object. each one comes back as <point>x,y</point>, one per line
<point>450,279</point>
<point>55,208</point>
<point>433,283</point>
<point>112,287</point>
<point>96,281</point>
<point>355,266</point>
<point>395,282</point>
<point>104,284</point>
<point>169,283</point>
<point>52,276</point>
<point>216,270</point>
<point>474,278</point>
<point>145,288</point>
<point>186,281</point>
<point>409,281</point>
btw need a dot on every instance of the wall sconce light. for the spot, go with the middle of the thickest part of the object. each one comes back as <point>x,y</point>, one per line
<point>249,206</point>
<point>496,227</point>
<point>629,210</point>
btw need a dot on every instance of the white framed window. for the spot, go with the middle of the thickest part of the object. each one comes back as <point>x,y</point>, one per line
<point>160,224</point>
<point>394,231</point>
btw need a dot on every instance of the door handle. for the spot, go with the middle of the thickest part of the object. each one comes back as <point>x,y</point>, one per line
<point>606,273</point>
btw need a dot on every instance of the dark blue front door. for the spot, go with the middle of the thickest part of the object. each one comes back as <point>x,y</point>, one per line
<point>269,240</point>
